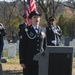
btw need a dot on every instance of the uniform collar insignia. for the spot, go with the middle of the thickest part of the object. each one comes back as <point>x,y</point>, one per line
<point>49,28</point>
<point>31,34</point>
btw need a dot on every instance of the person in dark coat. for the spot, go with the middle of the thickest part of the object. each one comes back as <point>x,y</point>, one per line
<point>22,28</point>
<point>32,42</point>
<point>23,25</point>
<point>2,33</point>
<point>53,33</point>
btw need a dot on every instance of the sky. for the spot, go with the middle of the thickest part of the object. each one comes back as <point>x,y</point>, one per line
<point>13,0</point>
<point>6,0</point>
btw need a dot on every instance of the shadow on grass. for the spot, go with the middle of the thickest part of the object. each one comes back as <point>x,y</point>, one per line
<point>10,72</point>
<point>13,72</point>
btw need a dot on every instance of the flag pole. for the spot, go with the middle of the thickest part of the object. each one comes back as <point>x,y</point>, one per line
<point>24,6</point>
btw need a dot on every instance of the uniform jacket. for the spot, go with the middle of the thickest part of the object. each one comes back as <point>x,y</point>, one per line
<point>2,33</point>
<point>51,35</point>
<point>21,27</point>
<point>31,44</point>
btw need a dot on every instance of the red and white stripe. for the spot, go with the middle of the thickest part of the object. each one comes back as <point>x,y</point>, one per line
<point>31,6</point>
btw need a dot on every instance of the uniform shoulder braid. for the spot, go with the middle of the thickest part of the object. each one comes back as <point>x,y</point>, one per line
<point>43,31</point>
<point>29,32</point>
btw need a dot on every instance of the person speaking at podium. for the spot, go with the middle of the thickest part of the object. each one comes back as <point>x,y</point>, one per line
<point>33,41</point>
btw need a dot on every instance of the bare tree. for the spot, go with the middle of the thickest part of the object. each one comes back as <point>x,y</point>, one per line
<point>49,7</point>
<point>8,12</point>
<point>70,4</point>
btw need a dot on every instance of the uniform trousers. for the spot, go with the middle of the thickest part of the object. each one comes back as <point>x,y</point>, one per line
<point>31,70</point>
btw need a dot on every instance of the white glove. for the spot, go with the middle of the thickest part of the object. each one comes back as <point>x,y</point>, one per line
<point>55,31</point>
<point>54,42</point>
<point>1,27</point>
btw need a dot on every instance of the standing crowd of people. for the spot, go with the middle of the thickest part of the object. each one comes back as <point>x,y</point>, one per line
<point>33,40</point>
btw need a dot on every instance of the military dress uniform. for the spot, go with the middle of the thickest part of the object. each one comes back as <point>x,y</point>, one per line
<point>53,34</point>
<point>31,43</point>
<point>22,27</point>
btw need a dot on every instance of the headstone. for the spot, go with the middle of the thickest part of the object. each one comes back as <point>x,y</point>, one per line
<point>67,40</point>
<point>5,47</point>
<point>17,45</point>
<point>72,43</point>
<point>56,61</point>
<point>12,50</point>
<point>63,40</point>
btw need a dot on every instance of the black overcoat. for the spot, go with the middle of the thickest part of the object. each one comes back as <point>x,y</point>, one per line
<point>50,36</point>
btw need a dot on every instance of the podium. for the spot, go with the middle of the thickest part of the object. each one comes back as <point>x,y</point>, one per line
<point>55,61</point>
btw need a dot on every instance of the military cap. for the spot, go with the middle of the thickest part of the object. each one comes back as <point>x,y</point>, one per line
<point>34,13</point>
<point>51,19</point>
<point>24,16</point>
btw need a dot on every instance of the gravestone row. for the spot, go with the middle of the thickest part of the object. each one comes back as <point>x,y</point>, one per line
<point>11,47</point>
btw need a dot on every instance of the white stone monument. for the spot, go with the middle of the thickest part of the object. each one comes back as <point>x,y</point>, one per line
<point>12,50</point>
<point>5,47</point>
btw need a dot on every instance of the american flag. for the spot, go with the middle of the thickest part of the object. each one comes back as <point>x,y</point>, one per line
<point>31,6</point>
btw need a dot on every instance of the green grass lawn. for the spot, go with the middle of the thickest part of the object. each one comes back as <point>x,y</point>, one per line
<point>74,59</point>
<point>16,61</point>
<point>11,60</point>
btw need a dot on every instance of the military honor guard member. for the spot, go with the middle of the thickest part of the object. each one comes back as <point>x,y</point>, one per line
<point>53,33</point>
<point>2,34</point>
<point>22,29</point>
<point>23,25</point>
<point>33,41</point>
